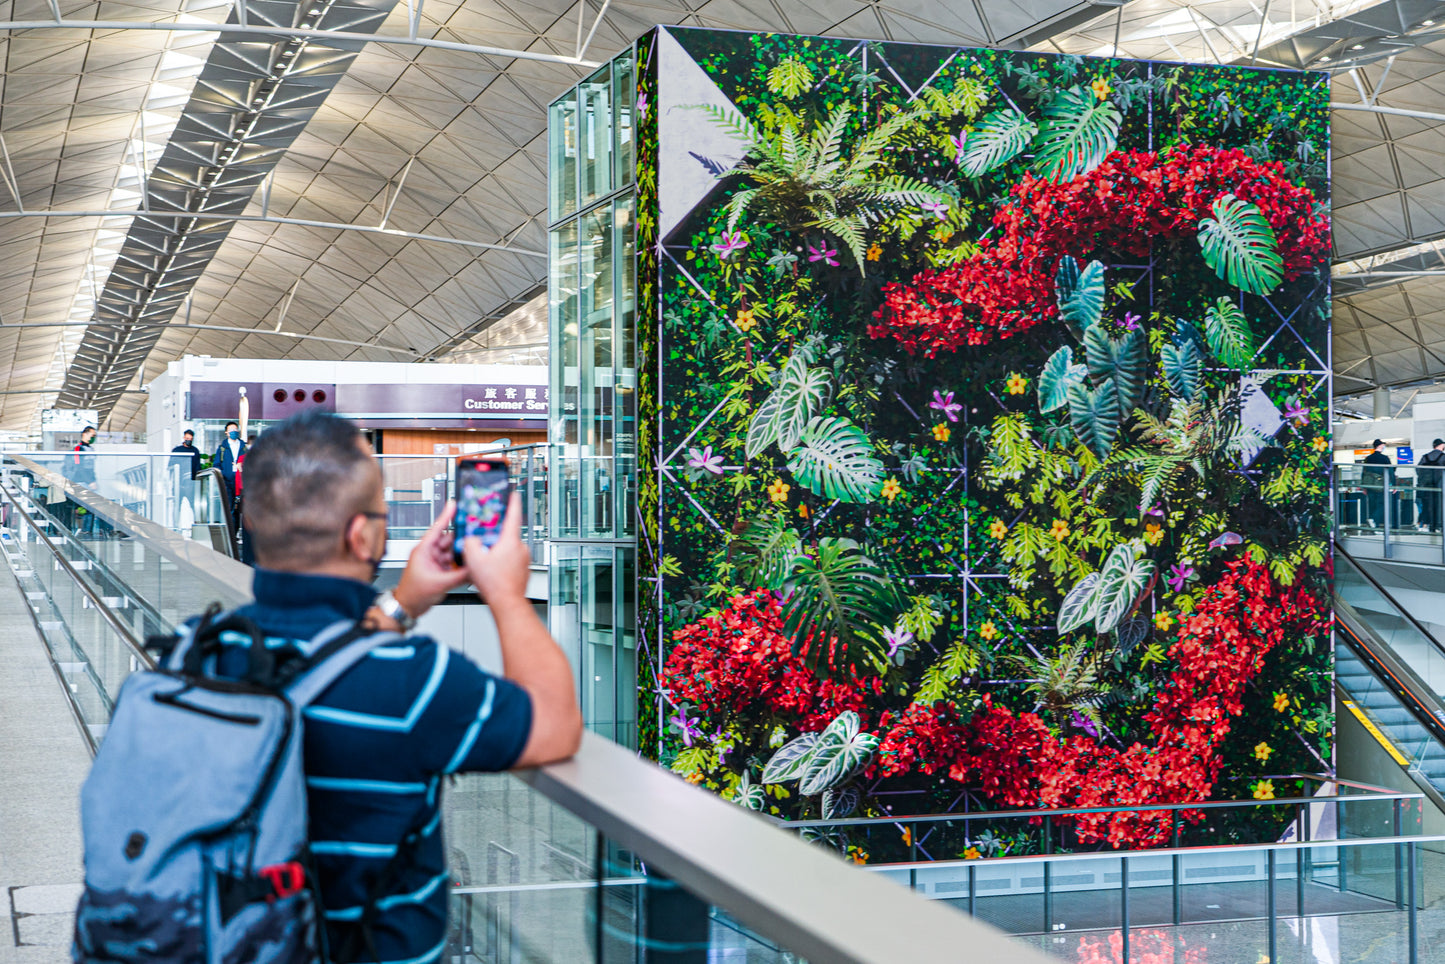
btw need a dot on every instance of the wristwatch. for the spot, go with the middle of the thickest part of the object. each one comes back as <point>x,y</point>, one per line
<point>392,609</point>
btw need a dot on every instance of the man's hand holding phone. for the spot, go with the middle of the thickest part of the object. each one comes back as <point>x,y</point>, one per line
<point>500,573</point>
<point>430,571</point>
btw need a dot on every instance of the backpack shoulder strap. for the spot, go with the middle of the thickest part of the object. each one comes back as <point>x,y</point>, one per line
<point>332,652</point>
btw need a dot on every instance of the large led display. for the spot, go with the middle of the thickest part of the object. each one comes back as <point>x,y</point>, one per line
<point>983,431</point>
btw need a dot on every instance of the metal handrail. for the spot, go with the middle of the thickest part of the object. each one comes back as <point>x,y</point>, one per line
<point>1373,794</point>
<point>793,893</point>
<point>233,549</point>
<point>224,573</point>
<point>104,609</point>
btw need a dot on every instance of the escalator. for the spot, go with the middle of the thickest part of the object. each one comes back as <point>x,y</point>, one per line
<point>1390,671</point>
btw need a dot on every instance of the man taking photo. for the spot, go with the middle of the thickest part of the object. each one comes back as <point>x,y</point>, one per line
<point>378,741</point>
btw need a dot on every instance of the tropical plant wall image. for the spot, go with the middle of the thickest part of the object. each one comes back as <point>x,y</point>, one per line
<point>983,406</point>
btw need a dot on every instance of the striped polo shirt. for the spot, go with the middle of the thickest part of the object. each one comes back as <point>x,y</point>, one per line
<point>377,744</point>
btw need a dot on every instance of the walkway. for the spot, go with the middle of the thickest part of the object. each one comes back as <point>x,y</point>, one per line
<point>43,760</point>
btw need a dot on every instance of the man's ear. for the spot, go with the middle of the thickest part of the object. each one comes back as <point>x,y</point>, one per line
<point>356,538</point>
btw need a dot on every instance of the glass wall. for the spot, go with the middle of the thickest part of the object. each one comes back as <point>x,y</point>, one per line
<point>592,437</point>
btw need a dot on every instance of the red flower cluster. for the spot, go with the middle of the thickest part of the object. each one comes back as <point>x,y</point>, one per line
<point>1112,212</point>
<point>739,664</point>
<point>1015,760</point>
<point>1146,946</point>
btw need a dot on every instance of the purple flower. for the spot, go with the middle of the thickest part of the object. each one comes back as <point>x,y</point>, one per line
<point>1227,539</point>
<point>732,242</point>
<point>642,105</point>
<point>823,253</point>
<point>1178,574</point>
<point>1084,723</point>
<point>946,405</point>
<point>1131,321</point>
<point>705,460</point>
<point>936,208</point>
<point>687,727</point>
<point>1295,412</point>
<point>897,639</point>
<point>959,142</point>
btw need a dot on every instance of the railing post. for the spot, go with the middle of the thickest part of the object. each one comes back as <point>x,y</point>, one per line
<point>1385,511</point>
<point>1342,851</point>
<point>1300,859</point>
<point>1399,824</point>
<point>972,890</point>
<point>1177,863</point>
<point>1273,909</point>
<point>1124,906</point>
<point>1048,848</point>
<point>1413,930</point>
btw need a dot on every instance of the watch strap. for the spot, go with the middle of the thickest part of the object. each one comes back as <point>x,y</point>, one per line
<point>388,604</point>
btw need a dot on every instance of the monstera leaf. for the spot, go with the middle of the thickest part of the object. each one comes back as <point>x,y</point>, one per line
<point>1118,362</point>
<point>1078,606</point>
<point>840,593</point>
<point>1080,294</point>
<point>1182,365</point>
<point>835,459</point>
<point>1095,415</point>
<point>1227,331</point>
<point>1058,374</point>
<point>998,139</point>
<point>1240,246</point>
<point>801,393</point>
<point>841,750</point>
<point>765,551</point>
<point>1121,582</point>
<point>1078,132</point>
<point>788,762</point>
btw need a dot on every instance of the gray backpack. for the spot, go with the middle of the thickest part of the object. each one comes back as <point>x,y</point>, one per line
<point>194,813</point>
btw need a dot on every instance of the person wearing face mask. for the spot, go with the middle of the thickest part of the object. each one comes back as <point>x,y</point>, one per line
<point>228,457</point>
<point>378,741</point>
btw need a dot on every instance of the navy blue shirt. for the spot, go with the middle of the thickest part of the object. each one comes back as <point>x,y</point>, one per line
<point>377,743</point>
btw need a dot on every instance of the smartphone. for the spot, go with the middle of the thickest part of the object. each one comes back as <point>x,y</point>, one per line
<point>483,488</point>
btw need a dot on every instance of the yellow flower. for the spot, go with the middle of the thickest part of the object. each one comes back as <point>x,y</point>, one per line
<point>803,510</point>
<point>988,630</point>
<point>943,233</point>
<point>1281,702</point>
<point>1017,384</point>
<point>874,251</point>
<point>891,488</point>
<point>695,777</point>
<point>746,321</point>
<point>858,855</point>
<point>1264,790</point>
<point>1262,751</point>
<point>1153,533</point>
<point>998,530</point>
<point>1101,88</point>
<point>1321,444</point>
<point>941,432</point>
<point>908,836</point>
<point>1059,530</point>
<point>971,854</point>
<point>1163,620</point>
<point>778,491</point>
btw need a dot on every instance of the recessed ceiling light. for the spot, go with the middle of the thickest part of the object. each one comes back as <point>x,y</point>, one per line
<point>1323,60</point>
<point>1427,23</point>
<point>1358,47</point>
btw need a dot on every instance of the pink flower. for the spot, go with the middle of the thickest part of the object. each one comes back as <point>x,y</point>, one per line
<point>731,244</point>
<point>705,460</point>
<point>1178,574</point>
<point>946,405</point>
<point>824,254</point>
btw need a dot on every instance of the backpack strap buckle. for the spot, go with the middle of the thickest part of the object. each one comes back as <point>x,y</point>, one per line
<point>286,880</point>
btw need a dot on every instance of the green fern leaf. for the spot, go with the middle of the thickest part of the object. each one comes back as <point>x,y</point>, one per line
<point>790,78</point>
<point>1239,244</point>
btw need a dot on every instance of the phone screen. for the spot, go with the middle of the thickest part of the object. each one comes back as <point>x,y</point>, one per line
<point>483,488</point>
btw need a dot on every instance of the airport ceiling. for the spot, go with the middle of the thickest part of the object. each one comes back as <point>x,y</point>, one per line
<point>365,179</point>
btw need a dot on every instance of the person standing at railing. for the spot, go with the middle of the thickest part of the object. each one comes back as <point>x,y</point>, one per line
<point>1427,484</point>
<point>188,447</point>
<point>82,472</point>
<point>379,741</point>
<point>1376,482</point>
